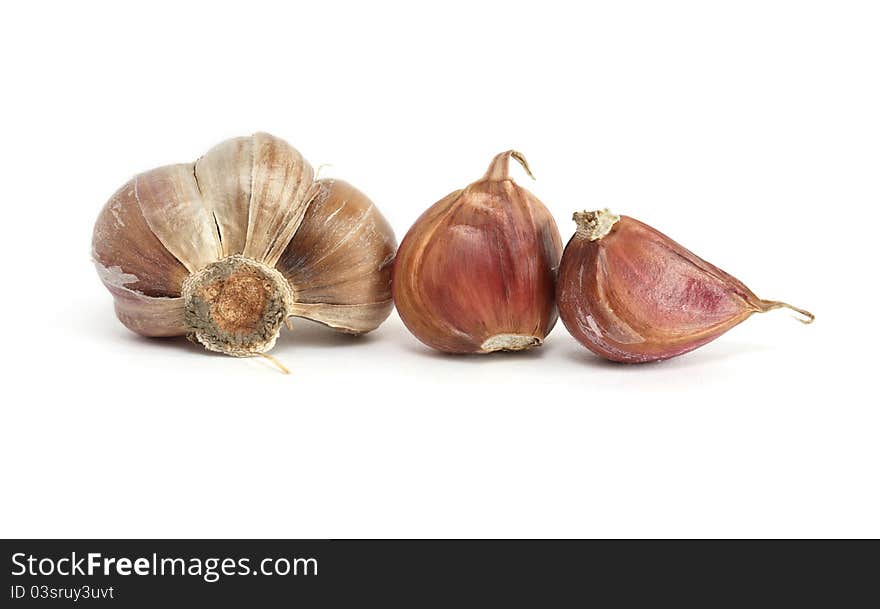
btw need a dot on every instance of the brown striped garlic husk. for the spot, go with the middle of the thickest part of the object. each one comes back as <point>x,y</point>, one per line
<point>225,249</point>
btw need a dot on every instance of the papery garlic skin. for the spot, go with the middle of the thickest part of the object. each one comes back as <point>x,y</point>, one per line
<point>225,249</point>
<point>476,272</point>
<point>340,260</point>
<point>631,294</point>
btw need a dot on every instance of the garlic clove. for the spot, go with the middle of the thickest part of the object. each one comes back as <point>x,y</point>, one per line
<point>281,187</point>
<point>148,315</point>
<point>224,179</point>
<point>476,272</point>
<point>631,294</point>
<point>172,205</point>
<point>128,255</point>
<point>339,262</point>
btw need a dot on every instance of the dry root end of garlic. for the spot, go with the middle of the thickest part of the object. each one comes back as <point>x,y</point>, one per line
<point>510,342</point>
<point>594,225</point>
<point>236,305</point>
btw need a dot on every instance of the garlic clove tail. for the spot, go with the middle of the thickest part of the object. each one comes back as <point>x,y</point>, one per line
<point>499,168</point>
<point>769,305</point>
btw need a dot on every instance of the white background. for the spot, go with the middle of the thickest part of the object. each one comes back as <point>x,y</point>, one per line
<point>748,131</point>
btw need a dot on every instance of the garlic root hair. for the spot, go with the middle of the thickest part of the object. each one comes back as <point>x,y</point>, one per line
<point>284,369</point>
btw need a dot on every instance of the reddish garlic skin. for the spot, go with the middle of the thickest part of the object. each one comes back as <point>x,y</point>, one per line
<point>635,295</point>
<point>478,264</point>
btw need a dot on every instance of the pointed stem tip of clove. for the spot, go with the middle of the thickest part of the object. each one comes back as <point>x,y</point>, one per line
<point>769,305</point>
<point>594,225</point>
<point>499,168</point>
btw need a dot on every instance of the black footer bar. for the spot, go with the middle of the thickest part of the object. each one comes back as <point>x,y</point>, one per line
<point>334,573</point>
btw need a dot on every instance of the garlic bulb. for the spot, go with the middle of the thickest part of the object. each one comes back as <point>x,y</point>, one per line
<point>223,250</point>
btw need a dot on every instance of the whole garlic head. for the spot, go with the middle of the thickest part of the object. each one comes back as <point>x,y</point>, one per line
<point>223,250</point>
